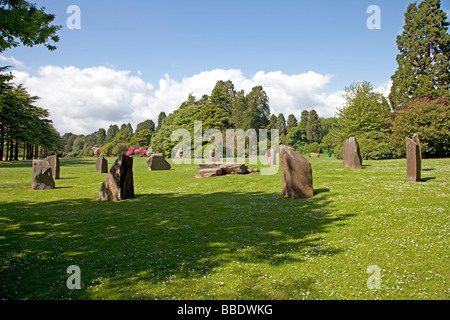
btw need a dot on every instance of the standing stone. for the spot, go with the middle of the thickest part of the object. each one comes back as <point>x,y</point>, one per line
<point>270,158</point>
<point>296,174</point>
<point>42,176</point>
<point>214,156</point>
<point>158,162</point>
<point>55,165</point>
<point>119,184</point>
<point>413,161</point>
<point>101,165</point>
<point>416,139</point>
<point>351,154</point>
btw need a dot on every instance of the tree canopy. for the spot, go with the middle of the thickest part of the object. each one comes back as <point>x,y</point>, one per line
<point>22,23</point>
<point>22,122</point>
<point>424,58</point>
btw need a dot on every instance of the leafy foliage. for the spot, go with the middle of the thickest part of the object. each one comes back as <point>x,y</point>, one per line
<point>23,23</point>
<point>424,59</point>
<point>296,137</point>
<point>430,119</point>
<point>22,121</point>
<point>225,109</point>
<point>365,110</point>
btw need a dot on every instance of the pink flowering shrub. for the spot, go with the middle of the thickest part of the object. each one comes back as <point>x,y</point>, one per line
<point>141,152</point>
<point>131,151</point>
<point>135,151</point>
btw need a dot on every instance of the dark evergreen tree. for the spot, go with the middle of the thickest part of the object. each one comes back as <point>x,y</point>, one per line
<point>313,127</point>
<point>101,136</point>
<point>304,119</point>
<point>258,110</point>
<point>147,124</point>
<point>281,124</point>
<point>272,122</point>
<point>161,117</point>
<point>239,108</point>
<point>111,133</point>
<point>223,95</point>
<point>424,59</point>
<point>291,122</point>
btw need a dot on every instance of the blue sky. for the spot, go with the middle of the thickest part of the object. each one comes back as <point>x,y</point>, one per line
<point>176,41</point>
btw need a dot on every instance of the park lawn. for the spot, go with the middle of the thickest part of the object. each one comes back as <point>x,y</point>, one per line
<point>230,237</point>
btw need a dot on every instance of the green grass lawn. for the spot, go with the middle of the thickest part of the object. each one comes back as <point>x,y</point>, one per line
<point>230,237</point>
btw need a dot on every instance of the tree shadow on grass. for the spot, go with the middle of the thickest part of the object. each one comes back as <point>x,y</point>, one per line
<point>63,162</point>
<point>153,238</point>
<point>16,164</point>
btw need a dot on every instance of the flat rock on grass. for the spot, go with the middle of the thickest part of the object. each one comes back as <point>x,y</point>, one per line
<point>214,169</point>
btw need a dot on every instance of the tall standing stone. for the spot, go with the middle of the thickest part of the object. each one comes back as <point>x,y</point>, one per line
<point>55,165</point>
<point>270,158</point>
<point>42,176</point>
<point>413,161</point>
<point>296,174</point>
<point>101,165</point>
<point>119,184</point>
<point>158,162</point>
<point>416,139</point>
<point>351,154</point>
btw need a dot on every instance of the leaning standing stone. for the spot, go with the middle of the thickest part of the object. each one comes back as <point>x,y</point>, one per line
<point>42,176</point>
<point>296,174</point>
<point>119,184</point>
<point>101,165</point>
<point>413,161</point>
<point>55,165</point>
<point>351,154</point>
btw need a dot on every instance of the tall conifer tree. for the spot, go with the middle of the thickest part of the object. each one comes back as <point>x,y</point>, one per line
<point>424,59</point>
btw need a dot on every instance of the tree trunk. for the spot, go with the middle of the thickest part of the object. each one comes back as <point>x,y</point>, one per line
<point>16,151</point>
<point>7,151</point>
<point>11,150</point>
<point>2,142</point>
<point>30,151</point>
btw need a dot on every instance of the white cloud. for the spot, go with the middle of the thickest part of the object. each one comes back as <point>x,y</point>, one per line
<point>11,61</point>
<point>384,88</point>
<point>83,100</point>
